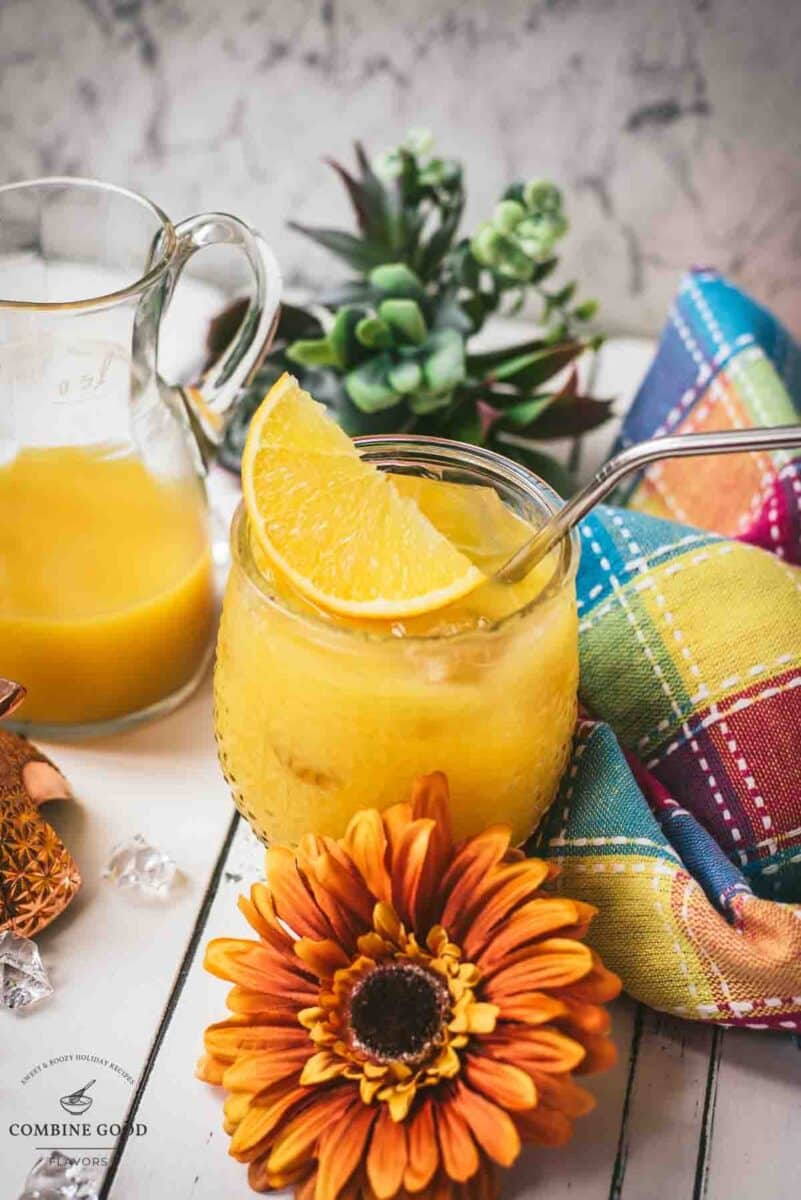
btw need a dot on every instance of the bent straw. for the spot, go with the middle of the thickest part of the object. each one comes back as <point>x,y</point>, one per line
<point>634,458</point>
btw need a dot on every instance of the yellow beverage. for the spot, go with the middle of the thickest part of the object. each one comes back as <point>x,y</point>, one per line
<point>318,715</point>
<point>106,592</point>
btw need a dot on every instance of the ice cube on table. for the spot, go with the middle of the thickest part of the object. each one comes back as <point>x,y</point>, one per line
<point>136,865</point>
<point>23,979</point>
<point>55,1176</point>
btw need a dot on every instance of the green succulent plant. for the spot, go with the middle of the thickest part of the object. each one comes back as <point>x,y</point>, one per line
<point>387,352</point>
<point>522,231</point>
<point>390,349</point>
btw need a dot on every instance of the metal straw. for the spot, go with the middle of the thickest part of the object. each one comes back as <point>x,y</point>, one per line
<point>634,458</point>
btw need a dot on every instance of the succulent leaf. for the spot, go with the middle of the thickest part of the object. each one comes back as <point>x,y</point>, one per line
<point>396,279</point>
<point>313,352</point>
<point>369,386</point>
<point>542,196</point>
<point>357,253</point>
<point>524,414</point>
<point>531,370</point>
<point>444,364</point>
<point>405,319</point>
<point>406,377</point>
<point>342,335</point>
<point>508,215</point>
<point>574,418</point>
<point>425,402</point>
<point>586,310</point>
<point>482,364</point>
<point>374,333</point>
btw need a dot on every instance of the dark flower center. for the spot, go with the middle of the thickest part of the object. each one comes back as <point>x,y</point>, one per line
<point>396,1012</point>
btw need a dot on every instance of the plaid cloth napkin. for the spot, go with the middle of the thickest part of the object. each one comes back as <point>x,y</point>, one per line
<point>680,815</point>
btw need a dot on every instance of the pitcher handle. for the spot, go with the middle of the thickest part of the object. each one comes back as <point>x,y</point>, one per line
<point>209,401</point>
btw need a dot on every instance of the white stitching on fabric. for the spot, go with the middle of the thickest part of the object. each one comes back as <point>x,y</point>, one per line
<point>648,652</point>
<point>583,731</point>
<point>561,841</point>
<point>717,715</point>
<point>592,620</point>
<point>702,691</point>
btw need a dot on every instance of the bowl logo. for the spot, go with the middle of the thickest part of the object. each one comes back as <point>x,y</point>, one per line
<point>77,1103</point>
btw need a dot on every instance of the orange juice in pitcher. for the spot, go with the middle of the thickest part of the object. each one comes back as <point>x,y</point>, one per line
<point>106,591</point>
<point>106,596</point>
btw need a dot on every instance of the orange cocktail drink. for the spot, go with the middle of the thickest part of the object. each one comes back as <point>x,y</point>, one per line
<point>319,714</point>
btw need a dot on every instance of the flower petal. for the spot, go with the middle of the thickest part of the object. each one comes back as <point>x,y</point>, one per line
<point>268,1010</point>
<point>293,900</point>
<point>295,1143</point>
<point>530,1008</point>
<point>306,1190</point>
<point>387,1156</point>
<point>366,842</point>
<point>256,966</point>
<point>395,819</point>
<point>469,866</point>
<point>458,1151</point>
<point>387,923</point>
<point>409,875</point>
<point>483,1185</point>
<point>479,1018</point>
<point>493,1129</point>
<point>340,894</point>
<point>254,918</point>
<point>234,1108</point>
<point>546,1049</point>
<point>499,894</point>
<point>258,1179</point>
<point>254,1072</point>
<point>501,1082</point>
<point>600,986</point>
<point>584,1018</point>
<point>323,958</point>
<point>431,798</point>
<point>210,1069</point>
<point>430,802</point>
<point>561,1092</point>
<point>551,963</point>
<point>263,1116</point>
<point>321,1068</point>
<point>540,916</point>
<point>544,1126</point>
<point>423,1153</point>
<point>600,1053</point>
<point>228,1039</point>
<point>341,1149</point>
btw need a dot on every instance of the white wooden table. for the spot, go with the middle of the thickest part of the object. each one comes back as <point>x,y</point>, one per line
<point>689,1111</point>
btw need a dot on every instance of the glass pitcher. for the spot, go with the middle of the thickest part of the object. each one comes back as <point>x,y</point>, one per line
<point>106,588</point>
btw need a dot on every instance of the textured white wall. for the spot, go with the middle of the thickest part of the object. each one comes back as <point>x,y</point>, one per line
<point>673,125</point>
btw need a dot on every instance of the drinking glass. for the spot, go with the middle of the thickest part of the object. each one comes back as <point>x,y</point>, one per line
<point>316,718</point>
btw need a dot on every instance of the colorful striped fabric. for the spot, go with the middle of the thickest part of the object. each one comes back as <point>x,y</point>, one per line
<point>680,815</point>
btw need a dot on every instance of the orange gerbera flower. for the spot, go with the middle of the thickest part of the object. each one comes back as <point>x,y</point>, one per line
<point>411,1014</point>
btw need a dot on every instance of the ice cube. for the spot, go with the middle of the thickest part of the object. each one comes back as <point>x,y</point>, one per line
<point>23,979</point>
<point>56,1176</point>
<point>136,865</point>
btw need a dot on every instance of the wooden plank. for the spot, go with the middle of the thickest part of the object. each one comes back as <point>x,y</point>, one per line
<point>660,1136</point>
<point>754,1126</point>
<point>184,1153</point>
